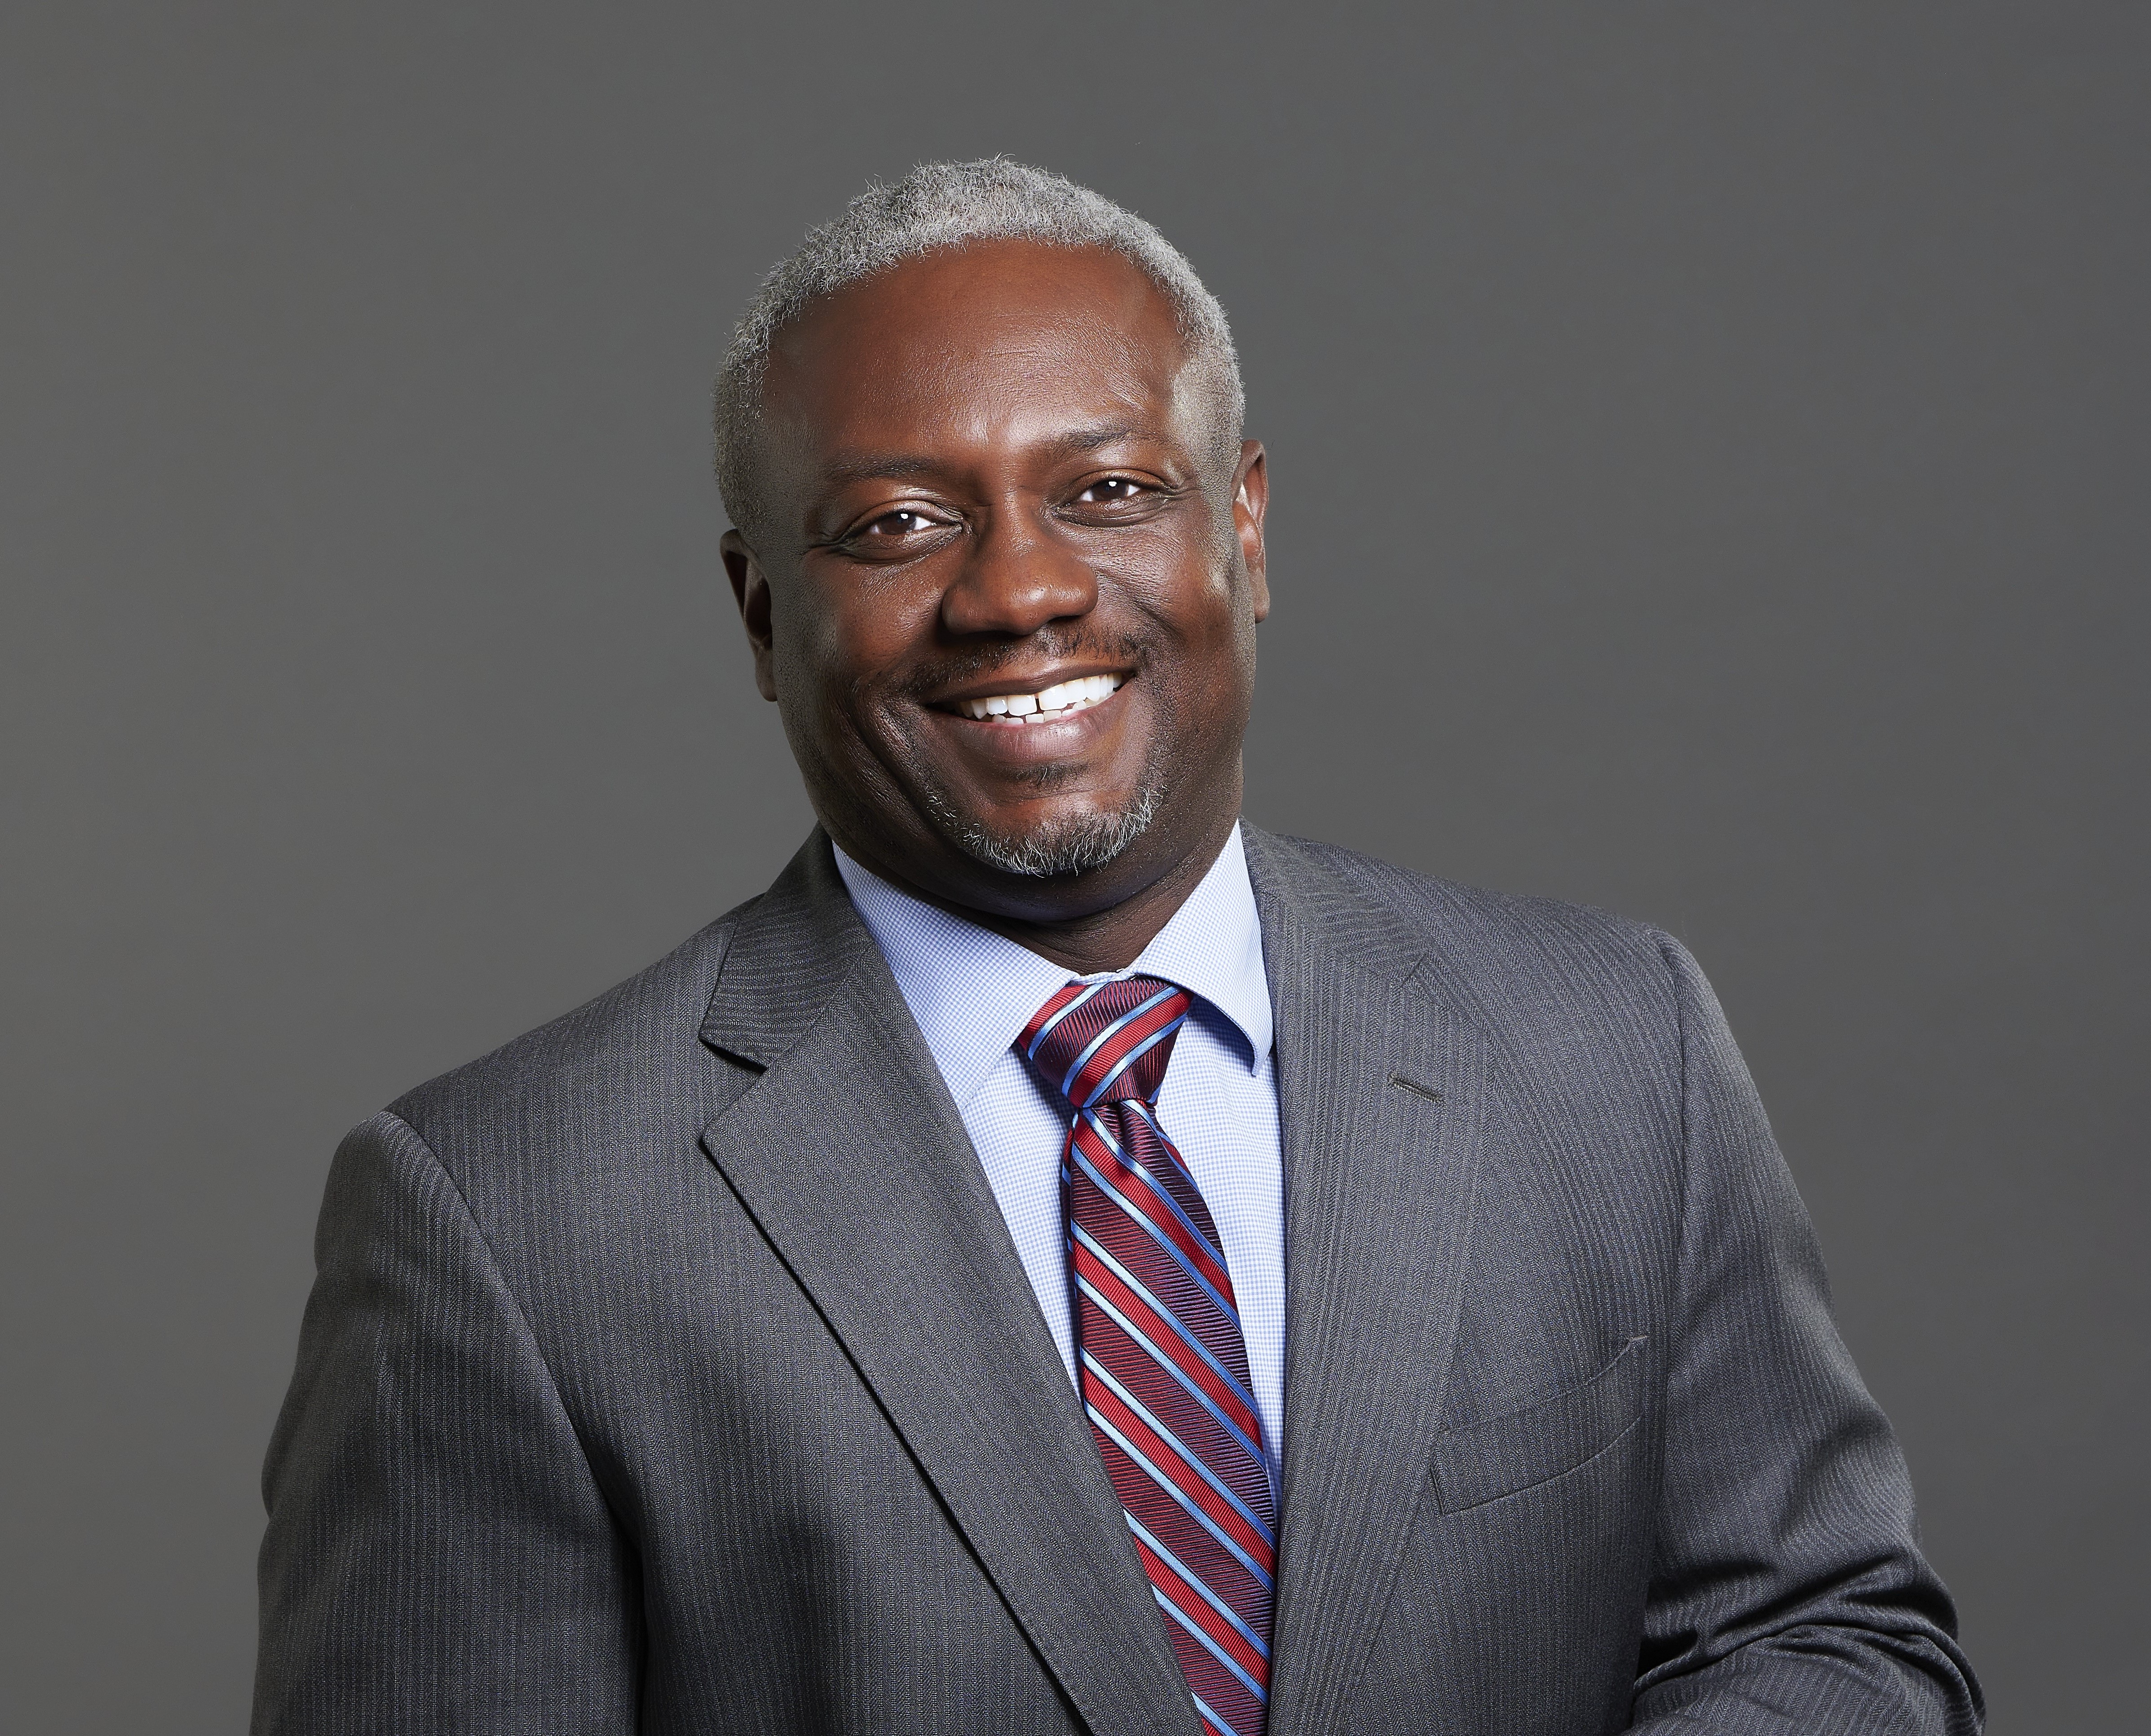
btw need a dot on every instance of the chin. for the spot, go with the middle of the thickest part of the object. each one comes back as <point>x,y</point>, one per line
<point>1076,843</point>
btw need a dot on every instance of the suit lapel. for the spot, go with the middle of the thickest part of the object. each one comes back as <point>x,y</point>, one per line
<point>1383,1095</point>
<point>854,1163</point>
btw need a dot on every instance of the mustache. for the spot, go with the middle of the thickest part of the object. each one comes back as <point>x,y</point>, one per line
<point>1059,645</point>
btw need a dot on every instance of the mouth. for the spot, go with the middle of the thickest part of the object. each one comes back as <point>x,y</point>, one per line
<point>1045,705</point>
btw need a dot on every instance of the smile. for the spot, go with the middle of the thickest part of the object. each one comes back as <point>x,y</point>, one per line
<point>1049,704</point>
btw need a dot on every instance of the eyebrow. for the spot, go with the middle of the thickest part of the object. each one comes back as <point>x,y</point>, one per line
<point>873,466</point>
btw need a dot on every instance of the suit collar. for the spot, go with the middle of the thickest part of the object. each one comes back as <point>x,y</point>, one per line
<point>789,950</point>
<point>1320,914</point>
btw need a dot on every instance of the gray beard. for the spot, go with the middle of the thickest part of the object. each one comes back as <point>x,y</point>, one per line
<point>1080,845</point>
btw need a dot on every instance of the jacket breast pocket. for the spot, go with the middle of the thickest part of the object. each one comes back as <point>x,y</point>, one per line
<point>1507,1455</point>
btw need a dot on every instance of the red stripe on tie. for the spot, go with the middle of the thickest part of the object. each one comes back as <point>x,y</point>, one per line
<point>1111,1359</point>
<point>1220,1512</point>
<point>1123,1240</point>
<point>1188,1599</point>
<point>1046,1015</point>
<point>1142,1198</point>
<point>1112,1054</point>
<point>1159,1331</point>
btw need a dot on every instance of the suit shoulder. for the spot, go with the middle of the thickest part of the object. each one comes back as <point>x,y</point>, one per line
<point>1512,953</point>
<point>628,1037</point>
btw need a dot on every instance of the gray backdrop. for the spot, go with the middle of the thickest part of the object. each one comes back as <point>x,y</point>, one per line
<point>1709,448</point>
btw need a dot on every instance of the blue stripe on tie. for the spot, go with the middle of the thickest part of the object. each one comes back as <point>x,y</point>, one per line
<point>1179,1159</point>
<point>1131,1057</point>
<point>1172,1319</point>
<point>1203,1711</point>
<point>1114,1145</point>
<point>1188,1456</point>
<point>1193,1388</point>
<point>1209,1644</point>
<point>1196,1580</point>
<point>1156,1235</point>
<point>1180,1497</point>
<point>1119,1024</point>
<point>1046,1029</point>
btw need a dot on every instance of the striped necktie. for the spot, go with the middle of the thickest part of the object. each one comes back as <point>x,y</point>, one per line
<point>1161,1361</point>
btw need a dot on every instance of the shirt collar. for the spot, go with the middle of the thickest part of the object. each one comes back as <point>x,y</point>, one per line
<point>972,991</point>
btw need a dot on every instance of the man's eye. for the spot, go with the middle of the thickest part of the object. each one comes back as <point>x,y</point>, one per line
<point>903,522</point>
<point>1112,488</point>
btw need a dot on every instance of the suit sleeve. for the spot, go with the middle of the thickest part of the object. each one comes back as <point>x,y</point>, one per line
<point>438,1555</point>
<point>1788,1593</point>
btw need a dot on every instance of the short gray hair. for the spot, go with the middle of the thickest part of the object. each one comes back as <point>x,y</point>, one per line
<point>943,206</point>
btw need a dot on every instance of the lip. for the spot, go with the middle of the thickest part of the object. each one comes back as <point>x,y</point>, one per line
<point>1037,681</point>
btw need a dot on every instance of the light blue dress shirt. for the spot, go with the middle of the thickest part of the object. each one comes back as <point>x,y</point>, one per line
<point>972,992</point>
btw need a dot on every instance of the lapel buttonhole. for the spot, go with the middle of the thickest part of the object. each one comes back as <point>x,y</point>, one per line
<point>1414,1086</point>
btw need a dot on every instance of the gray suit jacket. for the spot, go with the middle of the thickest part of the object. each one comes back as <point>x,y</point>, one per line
<point>671,1369</point>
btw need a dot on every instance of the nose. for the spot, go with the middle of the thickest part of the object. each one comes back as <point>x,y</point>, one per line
<point>1017,577</point>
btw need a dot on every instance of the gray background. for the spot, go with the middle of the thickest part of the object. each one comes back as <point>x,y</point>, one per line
<point>1709,449</point>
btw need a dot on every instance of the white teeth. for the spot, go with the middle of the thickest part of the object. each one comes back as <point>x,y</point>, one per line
<point>1046,704</point>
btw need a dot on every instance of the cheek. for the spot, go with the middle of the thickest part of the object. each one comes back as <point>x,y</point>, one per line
<point>839,638</point>
<point>1219,674</point>
<point>1173,573</point>
<point>1210,612</point>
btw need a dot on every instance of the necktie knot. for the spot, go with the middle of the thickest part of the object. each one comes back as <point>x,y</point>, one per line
<point>1107,1042</point>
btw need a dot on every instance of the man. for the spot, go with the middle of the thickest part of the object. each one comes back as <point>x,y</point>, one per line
<point>1062,1259</point>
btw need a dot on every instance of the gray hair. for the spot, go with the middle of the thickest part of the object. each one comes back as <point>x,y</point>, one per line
<point>942,205</point>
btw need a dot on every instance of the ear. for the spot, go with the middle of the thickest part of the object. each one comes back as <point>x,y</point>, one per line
<point>751,591</point>
<point>1251,505</point>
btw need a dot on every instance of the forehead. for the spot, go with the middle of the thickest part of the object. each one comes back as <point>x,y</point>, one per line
<point>980,345</point>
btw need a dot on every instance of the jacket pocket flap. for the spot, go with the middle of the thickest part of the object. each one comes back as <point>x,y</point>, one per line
<point>1507,1455</point>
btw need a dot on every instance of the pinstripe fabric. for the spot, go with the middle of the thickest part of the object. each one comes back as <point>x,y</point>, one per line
<point>1164,1378</point>
<point>672,1370</point>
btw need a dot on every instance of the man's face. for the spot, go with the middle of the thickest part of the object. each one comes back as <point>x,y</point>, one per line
<point>1006,594</point>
